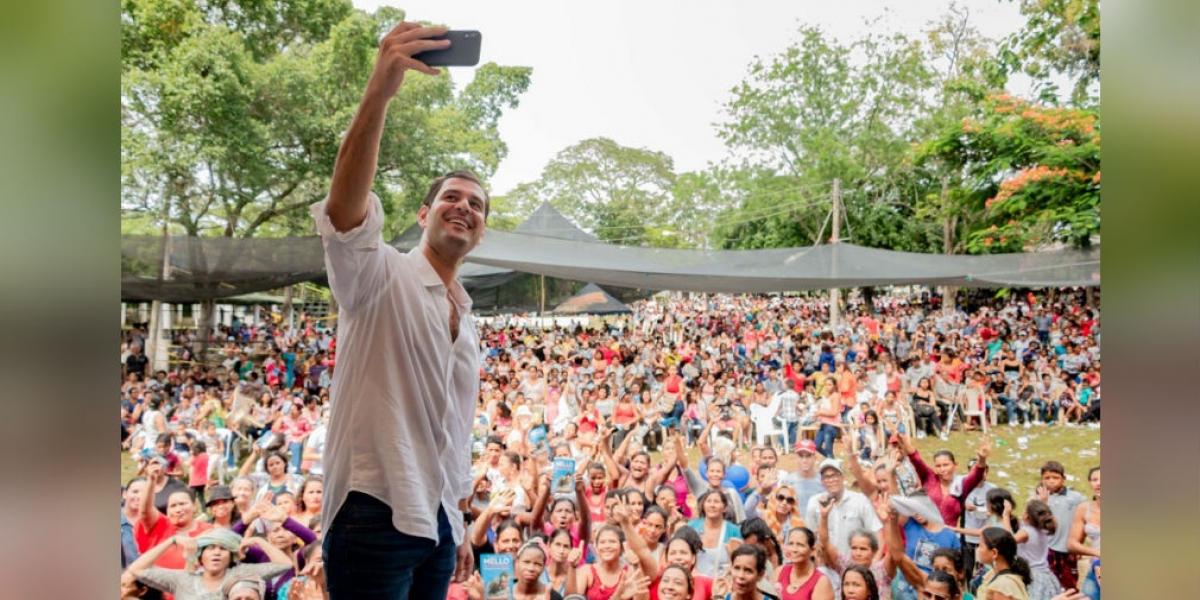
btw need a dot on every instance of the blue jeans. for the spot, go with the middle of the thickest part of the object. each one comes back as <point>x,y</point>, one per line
<point>1090,587</point>
<point>693,429</point>
<point>826,435</point>
<point>792,428</point>
<point>367,557</point>
<point>296,452</point>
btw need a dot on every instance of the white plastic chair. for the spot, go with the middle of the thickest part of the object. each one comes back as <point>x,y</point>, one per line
<point>763,418</point>
<point>973,405</point>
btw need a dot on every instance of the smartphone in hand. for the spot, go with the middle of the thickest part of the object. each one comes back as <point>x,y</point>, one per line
<point>463,50</point>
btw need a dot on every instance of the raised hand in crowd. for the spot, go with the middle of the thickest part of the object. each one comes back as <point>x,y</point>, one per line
<point>634,587</point>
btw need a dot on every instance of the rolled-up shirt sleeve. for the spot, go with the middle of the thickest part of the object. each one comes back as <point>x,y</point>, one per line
<point>352,258</point>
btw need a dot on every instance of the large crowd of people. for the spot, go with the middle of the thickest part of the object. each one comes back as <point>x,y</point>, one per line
<point>672,421</point>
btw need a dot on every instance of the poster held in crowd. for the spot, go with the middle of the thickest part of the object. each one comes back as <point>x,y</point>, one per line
<point>497,573</point>
<point>563,480</point>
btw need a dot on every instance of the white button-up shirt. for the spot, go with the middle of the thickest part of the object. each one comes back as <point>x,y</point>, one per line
<point>404,395</point>
<point>853,511</point>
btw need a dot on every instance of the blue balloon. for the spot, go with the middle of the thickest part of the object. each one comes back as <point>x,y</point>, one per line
<point>736,476</point>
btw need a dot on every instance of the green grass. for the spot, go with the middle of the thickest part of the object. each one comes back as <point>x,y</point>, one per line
<point>1078,449</point>
<point>1016,470</point>
<point>1010,467</point>
<point>128,468</point>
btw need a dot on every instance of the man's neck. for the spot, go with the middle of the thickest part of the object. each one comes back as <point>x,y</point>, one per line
<point>445,267</point>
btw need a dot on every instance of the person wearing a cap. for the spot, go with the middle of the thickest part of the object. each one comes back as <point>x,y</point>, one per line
<point>522,423</point>
<point>850,510</point>
<point>215,554</point>
<point>805,479</point>
<point>222,511</point>
<point>244,587</point>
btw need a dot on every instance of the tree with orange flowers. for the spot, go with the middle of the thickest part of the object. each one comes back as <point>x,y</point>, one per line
<point>1033,171</point>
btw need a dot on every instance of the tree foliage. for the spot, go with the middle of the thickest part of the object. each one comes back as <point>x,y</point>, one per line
<point>1033,171</point>
<point>232,112</point>
<point>822,110</point>
<point>619,194</point>
<point>965,71</point>
<point>1060,37</point>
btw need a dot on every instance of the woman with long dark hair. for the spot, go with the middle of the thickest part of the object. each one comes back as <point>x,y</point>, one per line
<point>926,412</point>
<point>602,579</point>
<point>682,551</point>
<point>715,532</point>
<point>308,500</point>
<point>859,584</point>
<point>799,579</point>
<point>1009,575</point>
<point>940,482</point>
<point>276,479</point>
<point>747,567</point>
<point>560,562</point>
<point>1033,538</point>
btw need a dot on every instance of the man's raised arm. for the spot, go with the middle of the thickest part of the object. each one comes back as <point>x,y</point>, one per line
<point>358,156</point>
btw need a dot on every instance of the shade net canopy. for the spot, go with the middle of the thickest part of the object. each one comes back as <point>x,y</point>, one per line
<point>211,268</point>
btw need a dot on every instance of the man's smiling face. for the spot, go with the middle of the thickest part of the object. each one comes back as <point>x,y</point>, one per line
<point>454,223</point>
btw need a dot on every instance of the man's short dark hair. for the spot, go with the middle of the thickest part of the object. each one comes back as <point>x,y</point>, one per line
<point>1053,466</point>
<point>436,187</point>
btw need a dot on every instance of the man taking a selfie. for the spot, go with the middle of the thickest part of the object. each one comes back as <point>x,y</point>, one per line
<point>397,460</point>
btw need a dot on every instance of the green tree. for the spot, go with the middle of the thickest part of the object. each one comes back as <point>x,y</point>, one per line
<point>1032,171</point>
<point>965,71</point>
<point>503,215</point>
<point>697,201</point>
<point>1059,38</point>
<point>818,111</point>
<point>616,192</point>
<point>232,113</point>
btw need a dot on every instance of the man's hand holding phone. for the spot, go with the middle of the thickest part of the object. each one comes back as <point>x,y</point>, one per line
<point>396,51</point>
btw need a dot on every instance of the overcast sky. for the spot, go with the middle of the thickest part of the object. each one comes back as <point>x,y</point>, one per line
<point>651,73</point>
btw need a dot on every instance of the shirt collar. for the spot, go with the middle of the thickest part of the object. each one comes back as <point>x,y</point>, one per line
<point>430,278</point>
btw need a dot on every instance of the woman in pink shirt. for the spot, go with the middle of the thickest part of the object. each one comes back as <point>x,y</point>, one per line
<point>295,427</point>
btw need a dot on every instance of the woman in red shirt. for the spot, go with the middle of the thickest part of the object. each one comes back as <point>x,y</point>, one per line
<point>946,490</point>
<point>800,579</point>
<point>673,383</point>
<point>847,385</point>
<point>626,416</point>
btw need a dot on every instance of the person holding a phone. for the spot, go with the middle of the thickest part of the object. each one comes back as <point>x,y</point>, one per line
<point>398,455</point>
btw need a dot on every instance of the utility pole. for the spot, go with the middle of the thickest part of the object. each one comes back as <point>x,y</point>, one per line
<point>160,314</point>
<point>834,293</point>
<point>949,223</point>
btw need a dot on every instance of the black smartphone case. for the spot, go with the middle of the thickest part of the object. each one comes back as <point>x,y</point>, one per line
<point>463,50</point>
